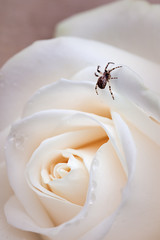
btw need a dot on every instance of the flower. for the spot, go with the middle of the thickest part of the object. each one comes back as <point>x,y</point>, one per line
<point>70,153</point>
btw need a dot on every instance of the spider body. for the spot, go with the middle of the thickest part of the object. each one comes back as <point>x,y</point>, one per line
<point>105,78</point>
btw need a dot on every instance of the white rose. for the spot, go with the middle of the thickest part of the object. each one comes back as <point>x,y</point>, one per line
<point>71,156</point>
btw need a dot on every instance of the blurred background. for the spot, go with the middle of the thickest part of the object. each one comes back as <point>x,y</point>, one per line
<point>24,21</point>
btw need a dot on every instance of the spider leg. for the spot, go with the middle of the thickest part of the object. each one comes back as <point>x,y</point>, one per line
<point>108,65</point>
<point>96,74</point>
<point>98,67</point>
<point>96,88</point>
<point>114,68</point>
<point>110,90</point>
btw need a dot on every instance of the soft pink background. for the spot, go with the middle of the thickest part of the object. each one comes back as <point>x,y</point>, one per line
<point>25,21</point>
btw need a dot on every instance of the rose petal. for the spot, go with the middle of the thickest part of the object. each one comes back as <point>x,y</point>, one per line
<point>14,211</point>
<point>130,25</point>
<point>51,97</point>
<point>144,196</point>
<point>65,94</point>
<point>6,231</point>
<point>128,80</point>
<point>129,85</point>
<point>49,60</point>
<point>103,227</point>
<point>73,186</point>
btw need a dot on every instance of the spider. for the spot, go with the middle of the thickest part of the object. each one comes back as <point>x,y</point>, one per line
<point>105,78</point>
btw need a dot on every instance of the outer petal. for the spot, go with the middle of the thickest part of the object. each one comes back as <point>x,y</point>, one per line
<point>66,94</point>
<point>139,219</point>
<point>130,25</point>
<point>6,231</point>
<point>47,61</point>
<point>59,95</point>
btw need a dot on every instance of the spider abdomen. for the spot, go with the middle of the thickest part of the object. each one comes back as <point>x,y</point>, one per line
<point>102,82</point>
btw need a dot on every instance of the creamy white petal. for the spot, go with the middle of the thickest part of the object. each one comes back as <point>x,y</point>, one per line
<point>130,25</point>
<point>57,95</point>
<point>7,231</point>
<point>139,219</point>
<point>47,61</point>
<point>65,94</point>
<point>17,217</point>
<point>129,85</point>
<point>72,187</point>
<point>41,63</point>
<point>127,103</point>
<point>99,231</point>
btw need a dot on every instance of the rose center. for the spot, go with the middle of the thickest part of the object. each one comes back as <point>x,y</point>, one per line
<point>60,170</point>
<point>66,175</point>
